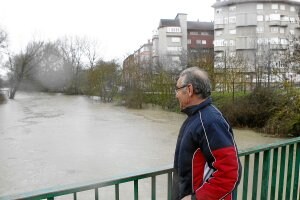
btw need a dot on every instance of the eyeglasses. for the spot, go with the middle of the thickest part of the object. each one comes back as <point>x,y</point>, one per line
<point>179,88</point>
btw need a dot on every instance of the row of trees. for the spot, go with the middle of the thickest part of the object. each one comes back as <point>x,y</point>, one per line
<point>256,100</point>
<point>71,65</point>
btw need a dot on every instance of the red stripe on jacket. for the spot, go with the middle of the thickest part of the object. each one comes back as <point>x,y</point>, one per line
<point>222,180</point>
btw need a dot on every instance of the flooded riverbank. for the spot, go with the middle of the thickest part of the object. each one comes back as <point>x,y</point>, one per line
<point>48,140</point>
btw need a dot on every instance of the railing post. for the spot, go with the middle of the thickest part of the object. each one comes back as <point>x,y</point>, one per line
<point>96,194</point>
<point>255,176</point>
<point>75,195</point>
<point>136,190</point>
<point>265,175</point>
<point>289,172</point>
<point>117,193</point>
<point>282,170</point>
<point>169,185</point>
<point>246,173</point>
<point>274,173</point>
<point>153,187</point>
<point>296,189</point>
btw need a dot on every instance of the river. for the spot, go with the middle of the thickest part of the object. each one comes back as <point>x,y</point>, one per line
<point>48,140</point>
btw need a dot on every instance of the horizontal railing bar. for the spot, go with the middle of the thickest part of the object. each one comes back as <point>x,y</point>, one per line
<point>266,147</point>
<point>68,189</point>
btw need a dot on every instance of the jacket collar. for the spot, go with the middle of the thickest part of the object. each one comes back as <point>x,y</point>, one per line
<point>191,110</point>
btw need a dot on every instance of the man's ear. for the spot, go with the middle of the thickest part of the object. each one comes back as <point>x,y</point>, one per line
<point>190,90</point>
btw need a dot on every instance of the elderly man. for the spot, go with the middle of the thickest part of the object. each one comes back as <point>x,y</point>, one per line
<point>206,160</point>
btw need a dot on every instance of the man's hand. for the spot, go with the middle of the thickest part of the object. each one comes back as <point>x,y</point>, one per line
<point>189,197</point>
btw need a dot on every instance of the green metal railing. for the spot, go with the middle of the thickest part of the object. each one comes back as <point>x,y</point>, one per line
<point>269,172</point>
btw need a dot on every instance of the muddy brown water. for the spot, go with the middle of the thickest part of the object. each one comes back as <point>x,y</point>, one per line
<point>47,140</point>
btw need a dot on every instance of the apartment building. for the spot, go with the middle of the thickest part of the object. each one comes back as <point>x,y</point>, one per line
<point>174,40</point>
<point>261,32</point>
<point>173,43</point>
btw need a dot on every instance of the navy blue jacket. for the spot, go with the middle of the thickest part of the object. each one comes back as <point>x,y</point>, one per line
<point>206,159</point>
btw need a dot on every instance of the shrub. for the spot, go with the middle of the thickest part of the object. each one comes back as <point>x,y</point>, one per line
<point>286,121</point>
<point>133,98</point>
<point>2,98</point>
<point>250,110</point>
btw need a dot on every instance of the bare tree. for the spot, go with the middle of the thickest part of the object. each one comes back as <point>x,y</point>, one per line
<point>51,73</point>
<point>203,58</point>
<point>3,46</point>
<point>3,39</point>
<point>72,51</point>
<point>23,65</point>
<point>91,52</point>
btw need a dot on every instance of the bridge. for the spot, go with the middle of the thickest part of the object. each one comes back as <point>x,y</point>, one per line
<point>269,172</point>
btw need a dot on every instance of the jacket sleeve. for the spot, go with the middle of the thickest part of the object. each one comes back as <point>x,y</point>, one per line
<point>221,152</point>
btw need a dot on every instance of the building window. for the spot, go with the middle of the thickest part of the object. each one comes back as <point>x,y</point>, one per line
<point>175,58</point>
<point>200,41</point>
<point>232,54</point>
<point>260,41</point>
<point>225,20</point>
<point>260,18</point>
<point>232,8</point>
<point>194,33</point>
<point>219,55</point>
<point>218,33</point>
<point>176,39</point>
<point>282,7</point>
<point>204,33</point>
<point>274,41</point>
<point>274,29</point>
<point>218,20</point>
<point>219,43</point>
<point>173,29</point>
<point>225,43</point>
<point>232,31</point>
<point>275,17</point>
<point>275,6</point>
<point>284,18</point>
<point>292,32</point>
<point>292,19</point>
<point>281,30</point>
<point>174,49</point>
<point>292,9</point>
<point>189,41</point>
<point>232,20</point>
<point>259,6</point>
<point>260,29</point>
<point>284,41</point>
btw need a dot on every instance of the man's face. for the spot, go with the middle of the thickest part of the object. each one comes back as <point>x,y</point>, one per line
<point>182,94</point>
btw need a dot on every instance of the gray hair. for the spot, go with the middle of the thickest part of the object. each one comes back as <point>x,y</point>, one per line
<point>198,78</point>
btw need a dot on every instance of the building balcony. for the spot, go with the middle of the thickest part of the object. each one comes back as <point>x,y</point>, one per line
<point>219,48</point>
<point>173,53</point>
<point>279,23</point>
<point>219,26</point>
<point>279,46</point>
<point>174,33</point>
<point>297,26</point>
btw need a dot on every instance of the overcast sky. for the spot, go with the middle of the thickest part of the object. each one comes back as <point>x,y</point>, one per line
<point>119,26</point>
